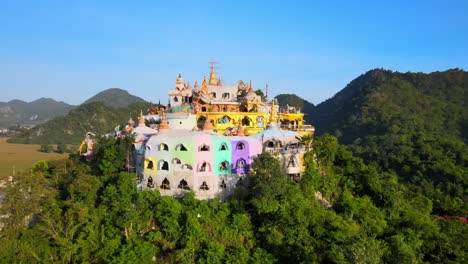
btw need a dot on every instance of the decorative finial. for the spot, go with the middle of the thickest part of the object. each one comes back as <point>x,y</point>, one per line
<point>273,117</point>
<point>163,125</point>
<point>141,119</point>
<point>240,129</point>
<point>207,125</point>
<point>212,74</point>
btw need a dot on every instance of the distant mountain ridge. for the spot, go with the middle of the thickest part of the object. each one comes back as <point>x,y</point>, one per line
<point>382,101</point>
<point>32,113</point>
<point>115,97</point>
<point>99,114</point>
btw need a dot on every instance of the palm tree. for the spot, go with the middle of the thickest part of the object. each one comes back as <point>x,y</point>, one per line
<point>306,140</point>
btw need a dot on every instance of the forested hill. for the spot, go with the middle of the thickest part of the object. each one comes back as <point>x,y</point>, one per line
<point>23,113</point>
<point>115,97</point>
<point>382,102</point>
<point>294,100</point>
<point>99,114</point>
<point>95,117</point>
<point>413,125</point>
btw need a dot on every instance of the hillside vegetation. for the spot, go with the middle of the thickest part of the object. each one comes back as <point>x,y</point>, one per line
<point>115,97</point>
<point>395,192</point>
<point>410,124</point>
<point>95,117</point>
<point>91,212</point>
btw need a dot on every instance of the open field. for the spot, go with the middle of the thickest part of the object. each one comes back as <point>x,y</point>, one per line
<point>21,156</point>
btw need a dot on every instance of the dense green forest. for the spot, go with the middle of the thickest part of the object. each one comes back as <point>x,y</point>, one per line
<point>386,182</point>
<point>341,211</point>
<point>115,97</point>
<point>95,117</point>
<point>411,124</point>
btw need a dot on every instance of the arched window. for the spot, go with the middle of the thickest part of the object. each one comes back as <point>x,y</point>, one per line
<point>176,99</point>
<point>163,146</point>
<point>204,186</point>
<point>278,144</point>
<point>246,121</point>
<point>223,147</point>
<point>176,161</point>
<point>150,182</point>
<point>204,147</point>
<point>240,146</point>
<point>224,120</point>
<point>224,166</point>
<point>163,165</point>
<point>183,185</point>
<point>226,95</point>
<point>223,185</point>
<point>166,185</point>
<point>181,147</point>
<point>214,95</point>
<point>240,165</point>
<point>150,165</point>
<point>203,109</point>
<point>270,144</point>
<point>205,166</point>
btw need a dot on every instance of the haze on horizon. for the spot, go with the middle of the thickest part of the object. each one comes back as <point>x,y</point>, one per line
<point>71,50</point>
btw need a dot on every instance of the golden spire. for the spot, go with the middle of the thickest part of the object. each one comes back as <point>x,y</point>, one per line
<point>163,125</point>
<point>130,121</point>
<point>212,75</point>
<point>204,88</point>
<point>204,80</point>
<point>240,129</point>
<point>273,116</point>
<point>220,83</point>
<point>188,85</point>
<point>207,125</point>
<point>141,119</point>
<point>195,85</point>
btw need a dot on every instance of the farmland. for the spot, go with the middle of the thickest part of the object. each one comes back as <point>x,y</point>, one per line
<point>21,157</point>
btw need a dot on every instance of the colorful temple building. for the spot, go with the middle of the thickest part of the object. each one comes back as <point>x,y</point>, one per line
<point>207,138</point>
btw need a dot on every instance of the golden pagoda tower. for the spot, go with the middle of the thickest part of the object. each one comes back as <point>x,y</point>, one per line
<point>213,80</point>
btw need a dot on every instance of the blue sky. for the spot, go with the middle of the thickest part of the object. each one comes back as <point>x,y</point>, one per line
<point>70,50</point>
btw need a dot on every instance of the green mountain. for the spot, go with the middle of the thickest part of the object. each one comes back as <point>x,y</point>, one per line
<point>115,97</point>
<point>413,125</point>
<point>94,117</point>
<point>36,112</point>
<point>296,101</point>
<point>382,102</point>
<point>99,114</point>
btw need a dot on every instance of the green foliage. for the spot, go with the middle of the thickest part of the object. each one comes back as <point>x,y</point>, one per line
<point>381,198</point>
<point>46,148</point>
<point>410,124</point>
<point>71,129</point>
<point>115,98</point>
<point>62,148</point>
<point>260,92</point>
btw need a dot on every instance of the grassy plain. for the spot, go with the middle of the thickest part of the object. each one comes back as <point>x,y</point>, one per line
<point>21,156</point>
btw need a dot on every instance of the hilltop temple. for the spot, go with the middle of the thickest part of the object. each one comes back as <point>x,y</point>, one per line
<point>207,138</point>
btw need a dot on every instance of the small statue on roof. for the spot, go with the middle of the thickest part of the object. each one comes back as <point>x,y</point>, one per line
<point>90,142</point>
